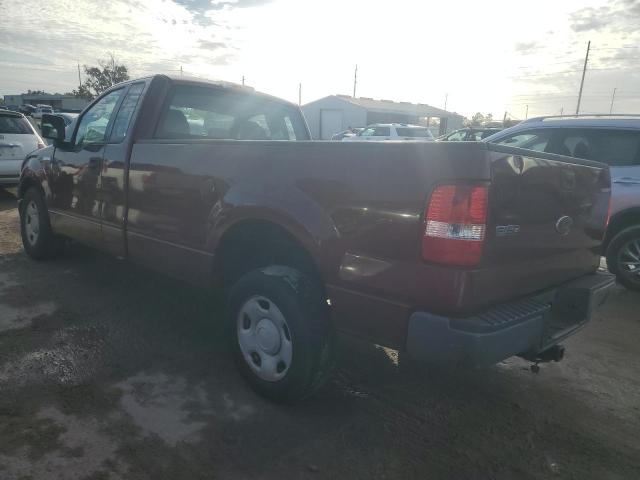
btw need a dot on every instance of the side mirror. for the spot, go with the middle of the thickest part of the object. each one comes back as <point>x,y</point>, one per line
<point>52,127</point>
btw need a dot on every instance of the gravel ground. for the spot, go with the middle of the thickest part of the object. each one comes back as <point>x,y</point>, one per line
<point>108,371</point>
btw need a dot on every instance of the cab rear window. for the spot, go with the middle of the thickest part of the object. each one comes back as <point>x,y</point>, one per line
<point>10,124</point>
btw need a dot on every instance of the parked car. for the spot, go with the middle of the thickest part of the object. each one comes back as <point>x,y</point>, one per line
<point>350,132</point>
<point>380,132</point>
<point>451,252</point>
<point>27,109</point>
<point>471,134</point>
<point>17,139</point>
<point>40,110</point>
<point>11,108</point>
<point>610,139</point>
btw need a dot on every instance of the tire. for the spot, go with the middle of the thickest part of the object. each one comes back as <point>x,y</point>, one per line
<point>282,341</point>
<point>38,239</point>
<point>623,257</point>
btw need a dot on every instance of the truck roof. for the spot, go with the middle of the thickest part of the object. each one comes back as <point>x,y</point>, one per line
<point>187,79</point>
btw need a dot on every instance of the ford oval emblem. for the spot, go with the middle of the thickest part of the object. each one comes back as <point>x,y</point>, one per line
<point>564,224</point>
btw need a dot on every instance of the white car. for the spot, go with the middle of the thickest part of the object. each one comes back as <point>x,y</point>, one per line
<point>17,139</point>
<point>40,109</point>
<point>381,132</point>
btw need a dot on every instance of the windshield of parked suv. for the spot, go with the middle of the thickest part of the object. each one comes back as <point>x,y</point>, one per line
<point>414,132</point>
<point>14,125</point>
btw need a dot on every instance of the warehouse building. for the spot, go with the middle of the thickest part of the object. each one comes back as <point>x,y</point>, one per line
<point>335,113</point>
<point>65,103</point>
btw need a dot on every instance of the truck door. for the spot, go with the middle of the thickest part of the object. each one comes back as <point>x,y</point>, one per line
<point>75,180</point>
<point>112,179</point>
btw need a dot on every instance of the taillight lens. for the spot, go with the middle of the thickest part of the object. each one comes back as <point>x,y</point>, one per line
<point>455,225</point>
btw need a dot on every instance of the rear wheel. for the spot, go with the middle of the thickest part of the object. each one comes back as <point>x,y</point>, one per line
<point>37,237</point>
<point>282,340</point>
<point>623,257</point>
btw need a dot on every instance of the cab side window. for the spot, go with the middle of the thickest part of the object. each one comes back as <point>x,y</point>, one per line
<point>195,112</point>
<point>94,122</point>
<point>123,118</point>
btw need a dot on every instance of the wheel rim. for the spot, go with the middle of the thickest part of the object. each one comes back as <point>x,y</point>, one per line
<point>32,223</point>
<point>264,338</point>
<point>629,260</point>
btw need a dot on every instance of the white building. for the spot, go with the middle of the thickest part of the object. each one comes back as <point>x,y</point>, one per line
<point>68,103</point>
<point>335,113</point>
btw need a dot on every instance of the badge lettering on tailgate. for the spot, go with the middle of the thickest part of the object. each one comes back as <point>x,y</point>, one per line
<point>506,230</point>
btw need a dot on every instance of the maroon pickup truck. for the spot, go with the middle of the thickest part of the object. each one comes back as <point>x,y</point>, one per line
<point>457,253</point>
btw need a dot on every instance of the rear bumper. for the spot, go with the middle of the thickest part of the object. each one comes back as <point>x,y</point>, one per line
<point>10,172</point>
<point>526,327</point>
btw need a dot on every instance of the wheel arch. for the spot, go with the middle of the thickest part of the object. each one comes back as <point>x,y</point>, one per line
<point>254,241</point>
<point>618,222</point>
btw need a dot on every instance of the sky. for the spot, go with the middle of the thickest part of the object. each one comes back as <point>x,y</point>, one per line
<point>492,56</point>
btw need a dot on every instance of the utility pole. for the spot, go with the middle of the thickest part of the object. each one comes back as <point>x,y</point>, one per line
<point>613,97</point>
<point>79,79</point>
<point>526,115</point>
<point>561,110</point>
<point>243,80</point>
<point>180,70</point>
<point>300,94</point>
<point>446,98</point>
<point>504,118</point>
<point>355,81</point>
<point>584,70</point>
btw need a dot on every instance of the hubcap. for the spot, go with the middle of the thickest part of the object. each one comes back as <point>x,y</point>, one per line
<point>31,223</point>
<point>264,338</point>
<point>629,259</point>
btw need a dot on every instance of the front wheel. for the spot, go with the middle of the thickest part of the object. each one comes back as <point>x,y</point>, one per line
<point>38,239</point>
<point>282,340</point>
<point>623,257</point>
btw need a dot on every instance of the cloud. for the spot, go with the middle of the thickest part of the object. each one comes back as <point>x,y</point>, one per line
<point>618,15</point>
<point>211,45</point>
<point>200,8</point>
<point>526,47</point>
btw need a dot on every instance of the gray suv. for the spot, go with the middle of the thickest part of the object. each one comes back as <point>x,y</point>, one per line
<point>611,139</point>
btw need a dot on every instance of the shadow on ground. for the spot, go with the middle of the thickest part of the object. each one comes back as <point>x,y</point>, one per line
<point>111,371</point>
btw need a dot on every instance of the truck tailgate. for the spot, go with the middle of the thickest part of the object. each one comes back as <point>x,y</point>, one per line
<point>547,215</point>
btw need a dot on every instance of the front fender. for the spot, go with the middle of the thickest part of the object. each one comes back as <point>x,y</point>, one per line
<point>36,171</point>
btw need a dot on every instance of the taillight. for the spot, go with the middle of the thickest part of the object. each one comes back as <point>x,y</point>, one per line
<point>455,225</point>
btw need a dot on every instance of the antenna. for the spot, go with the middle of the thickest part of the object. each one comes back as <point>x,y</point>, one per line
<point>584,70</point>
<point>355,81</point>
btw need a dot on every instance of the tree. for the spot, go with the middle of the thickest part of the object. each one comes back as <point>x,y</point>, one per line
<point>100,78</point>
<point>480,119</point>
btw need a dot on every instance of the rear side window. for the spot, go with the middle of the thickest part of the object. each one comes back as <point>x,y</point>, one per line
<point>123,118</point>
<point>617,148</point>
<point>15,125</point>
<point>221,113</point>
<point>531,140</point>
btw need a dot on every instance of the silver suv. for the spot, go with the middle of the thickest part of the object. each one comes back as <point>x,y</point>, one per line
<point>611,139</point>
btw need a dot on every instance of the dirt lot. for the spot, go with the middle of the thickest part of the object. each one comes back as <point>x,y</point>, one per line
<point>108,372</point>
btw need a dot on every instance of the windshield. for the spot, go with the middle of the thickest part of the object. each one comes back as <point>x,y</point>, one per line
<point>414,132</point>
